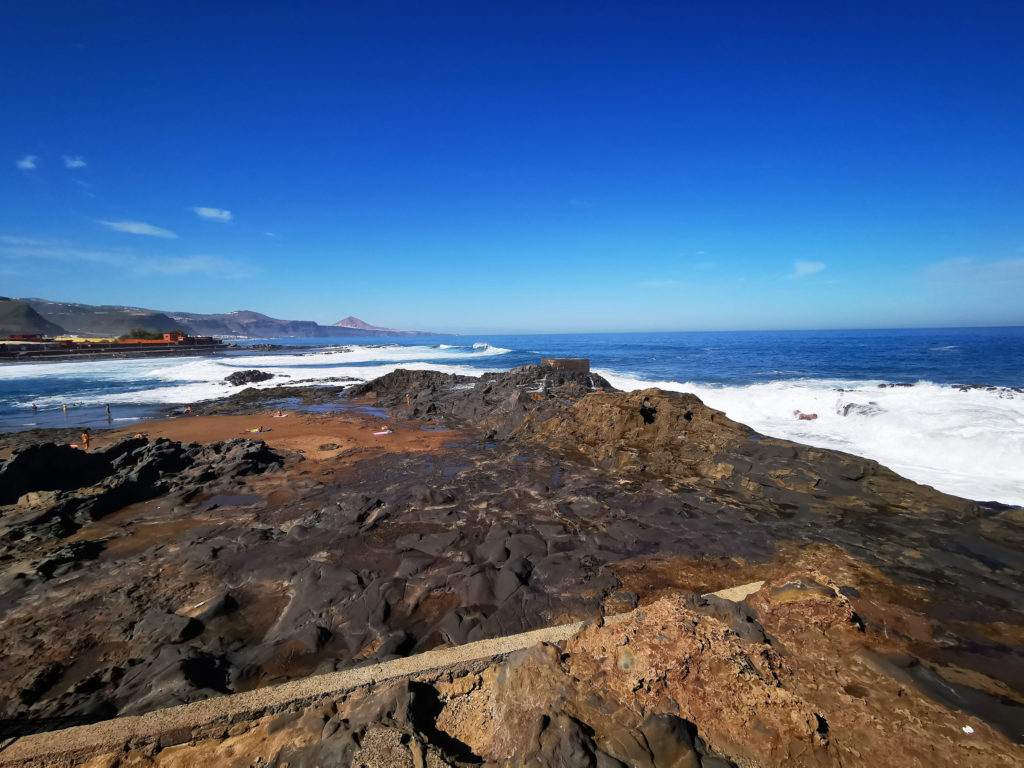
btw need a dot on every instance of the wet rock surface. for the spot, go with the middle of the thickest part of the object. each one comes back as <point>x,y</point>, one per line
<point>251,400</point>
<point>238,378</point>
<point>496,403</point>
<point>191,571</point>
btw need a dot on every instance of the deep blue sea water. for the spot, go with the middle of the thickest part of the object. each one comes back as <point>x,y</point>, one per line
<point>943,356</point>
<point>966,442</point>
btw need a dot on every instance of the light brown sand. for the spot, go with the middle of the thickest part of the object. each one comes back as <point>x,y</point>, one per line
<point>296,431</point>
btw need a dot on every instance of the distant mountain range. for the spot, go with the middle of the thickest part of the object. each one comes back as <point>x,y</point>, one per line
<point>52,318</point>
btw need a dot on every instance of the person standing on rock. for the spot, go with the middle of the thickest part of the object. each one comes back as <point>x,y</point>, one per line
<point>85,439</point>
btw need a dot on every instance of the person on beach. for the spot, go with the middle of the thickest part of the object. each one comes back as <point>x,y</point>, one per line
<point>188,409</point>
<point>805,416</point>
<point>85,439</point>
<point>64,407</point>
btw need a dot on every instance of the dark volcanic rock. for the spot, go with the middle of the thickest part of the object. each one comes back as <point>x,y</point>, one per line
<point>497,403</point>
<point>132,470</point>
<point>49,467</point>
<point>238,378</point>
<point>860,409</point>
<point>672,435</point>
<point>169,627</point>
<point>74,552</point>
<point>251,399</point>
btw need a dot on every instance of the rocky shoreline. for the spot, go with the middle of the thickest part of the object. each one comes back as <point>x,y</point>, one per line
<point>155,572</point>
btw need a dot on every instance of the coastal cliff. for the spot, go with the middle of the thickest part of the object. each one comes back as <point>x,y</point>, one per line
<point>19,317</point>
<point>90,320</point>
<point>158,573</point>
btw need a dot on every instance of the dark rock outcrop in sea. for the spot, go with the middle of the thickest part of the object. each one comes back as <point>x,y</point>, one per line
<point>238,378</point>
<point>559,499</point>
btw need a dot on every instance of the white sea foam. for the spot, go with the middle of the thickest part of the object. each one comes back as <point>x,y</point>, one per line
<point>195,379</point>
<point>970,444</point>
<point>966,443</point>
<point>321,363</point>
<point>360,354</point>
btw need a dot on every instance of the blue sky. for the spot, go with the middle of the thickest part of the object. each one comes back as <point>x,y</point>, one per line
<point>530,166</point>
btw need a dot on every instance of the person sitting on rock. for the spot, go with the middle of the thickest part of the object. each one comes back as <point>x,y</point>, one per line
<point>805,416</point>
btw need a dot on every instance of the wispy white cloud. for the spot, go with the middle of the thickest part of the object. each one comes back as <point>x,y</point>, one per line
<point>185,265</point>
<point>137,228</point>
<point>805,268</point>
<point>270,234</point>
<point>86,187</point>
<point>26,249</point>
<point>75,161</point>
<point>56,250</point>
<point>26,163</point>
<point>972,271</point>
<point>213,214</point>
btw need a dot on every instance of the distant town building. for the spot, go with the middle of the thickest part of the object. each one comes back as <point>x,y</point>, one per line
<point>25,337</point>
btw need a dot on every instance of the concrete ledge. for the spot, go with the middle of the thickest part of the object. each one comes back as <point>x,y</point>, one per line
<point>55,747</point>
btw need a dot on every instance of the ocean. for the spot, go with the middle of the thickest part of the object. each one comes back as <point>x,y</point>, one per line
<point>944,407</point>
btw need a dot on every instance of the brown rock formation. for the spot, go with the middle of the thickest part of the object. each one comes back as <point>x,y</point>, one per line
<point>791,680</point>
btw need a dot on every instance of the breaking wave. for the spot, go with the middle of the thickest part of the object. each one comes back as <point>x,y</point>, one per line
<point>967,443</point>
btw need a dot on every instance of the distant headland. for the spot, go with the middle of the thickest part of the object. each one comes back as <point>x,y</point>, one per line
<point>33,316</point>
